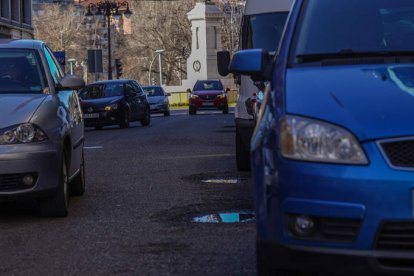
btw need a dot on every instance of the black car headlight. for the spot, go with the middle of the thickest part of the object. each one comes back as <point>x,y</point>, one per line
<point>111,107</point>
<point>22,134</point>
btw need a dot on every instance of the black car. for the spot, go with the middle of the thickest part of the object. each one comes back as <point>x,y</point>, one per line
<point>158,99</point>
<point>114,102</point>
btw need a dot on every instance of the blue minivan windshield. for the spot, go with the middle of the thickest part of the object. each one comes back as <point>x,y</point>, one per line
<point>153,91</point>
<point>343,28</point>
<point>21,71</point>
<point>263,31</point>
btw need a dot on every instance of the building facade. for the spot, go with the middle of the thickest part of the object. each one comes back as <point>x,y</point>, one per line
<point>16,19</point>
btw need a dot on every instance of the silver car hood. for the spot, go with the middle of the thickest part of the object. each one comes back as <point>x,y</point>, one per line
<point>18,108</point>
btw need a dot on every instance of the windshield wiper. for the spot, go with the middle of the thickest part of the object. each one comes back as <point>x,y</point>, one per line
<point>349,53</point>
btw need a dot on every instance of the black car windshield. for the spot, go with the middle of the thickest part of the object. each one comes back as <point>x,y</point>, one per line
<point>263,31</point>
<point>208,85</point>
<point>349,28</point>
<point>97,91</point>
<point>21,72</point>
<point>153,91</point>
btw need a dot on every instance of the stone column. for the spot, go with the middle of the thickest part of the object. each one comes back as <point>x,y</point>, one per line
<point>206,20</point>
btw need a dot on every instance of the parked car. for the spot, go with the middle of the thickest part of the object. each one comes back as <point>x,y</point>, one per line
<point>332,154</point>
<point>158,99</point>
<point>208,94</point>
<point>114,102</point>
<point>41,128</point>
<point>261,28</point>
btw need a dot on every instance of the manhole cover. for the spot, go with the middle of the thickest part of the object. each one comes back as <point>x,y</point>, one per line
<point>239,217</point>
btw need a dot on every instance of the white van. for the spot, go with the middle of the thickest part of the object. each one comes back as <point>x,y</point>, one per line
<point>262,27</point>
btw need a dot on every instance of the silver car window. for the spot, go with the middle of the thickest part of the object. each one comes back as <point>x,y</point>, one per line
<point>55,70</point>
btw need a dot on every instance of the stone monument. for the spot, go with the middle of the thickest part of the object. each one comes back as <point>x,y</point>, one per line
<point>206,19</point>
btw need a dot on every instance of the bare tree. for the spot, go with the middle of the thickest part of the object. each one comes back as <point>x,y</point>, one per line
<point>62,29</point>
<point>157,25</point>
<point>233,11</point>
<point>153,25</point>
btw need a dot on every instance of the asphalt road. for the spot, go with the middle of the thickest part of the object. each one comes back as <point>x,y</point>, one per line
<point>144,187</point>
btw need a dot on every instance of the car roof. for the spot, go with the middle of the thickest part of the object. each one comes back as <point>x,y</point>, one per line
<point>21,43</point>
<point>267,6</point>
<point>209,80</point>
<point>149,86</point>
<point>109,81</point>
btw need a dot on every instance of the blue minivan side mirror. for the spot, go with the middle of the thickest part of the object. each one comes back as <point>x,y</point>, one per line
<point>253,63</point>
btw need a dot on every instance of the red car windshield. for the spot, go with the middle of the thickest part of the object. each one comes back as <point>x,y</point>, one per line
<point>208,85</point>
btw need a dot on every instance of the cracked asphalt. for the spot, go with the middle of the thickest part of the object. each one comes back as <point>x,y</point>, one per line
<point>144,187</point>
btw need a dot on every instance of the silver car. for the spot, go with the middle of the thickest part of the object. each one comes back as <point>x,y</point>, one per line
<point>41,128</point>
<point>158,99</point>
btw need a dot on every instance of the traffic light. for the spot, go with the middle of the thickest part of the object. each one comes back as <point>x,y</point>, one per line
<point>118,65</point>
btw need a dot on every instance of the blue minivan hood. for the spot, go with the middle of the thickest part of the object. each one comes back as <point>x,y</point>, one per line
<point>372,101</point>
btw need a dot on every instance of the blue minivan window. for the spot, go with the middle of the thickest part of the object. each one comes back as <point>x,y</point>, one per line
<point>257,30</point>
<point>355,26</point>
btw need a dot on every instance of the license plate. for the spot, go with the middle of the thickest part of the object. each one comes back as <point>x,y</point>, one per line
<point>91,115</point>
<point>208,104</point>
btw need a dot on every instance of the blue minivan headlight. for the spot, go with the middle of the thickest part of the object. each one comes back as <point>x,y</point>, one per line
<point>312,140</point>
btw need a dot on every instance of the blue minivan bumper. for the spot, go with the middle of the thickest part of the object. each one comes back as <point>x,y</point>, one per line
<point>362,213</point>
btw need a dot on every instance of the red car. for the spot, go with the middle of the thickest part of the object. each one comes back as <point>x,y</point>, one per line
<point>208,94</point>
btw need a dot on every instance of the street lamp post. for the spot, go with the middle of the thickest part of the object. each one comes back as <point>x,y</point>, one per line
<point>72,62</point>
<point>108,8</point>
<point>157,53</point>
<point>179,68</point>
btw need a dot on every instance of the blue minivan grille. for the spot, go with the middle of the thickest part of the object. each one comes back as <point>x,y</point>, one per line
<point>399,153</point>
<point>330,229</point>
<point>396,236</point>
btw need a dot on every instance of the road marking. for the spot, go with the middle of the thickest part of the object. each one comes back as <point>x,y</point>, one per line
<point>203,156</point>
<point>210,113</point>
<point>221,181</point>
<point>93,147</point>
<point>179,113</point>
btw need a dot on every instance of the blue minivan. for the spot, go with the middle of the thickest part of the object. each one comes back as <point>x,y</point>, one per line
<point>333,151</point>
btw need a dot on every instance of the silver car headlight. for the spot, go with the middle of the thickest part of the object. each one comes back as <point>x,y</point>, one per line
<point>24,133</point>
<point>312,140</point>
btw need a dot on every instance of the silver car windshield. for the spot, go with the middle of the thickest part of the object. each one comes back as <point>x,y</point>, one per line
<point>153,91</point>
<point>354,28</point>
<point>21,72</point>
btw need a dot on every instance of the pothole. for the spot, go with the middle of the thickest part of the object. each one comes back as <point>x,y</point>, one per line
<point>236,217</point>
